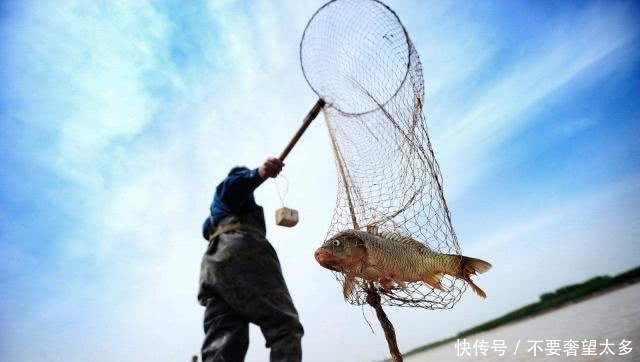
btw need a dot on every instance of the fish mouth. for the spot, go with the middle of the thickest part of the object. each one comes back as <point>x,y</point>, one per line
<point>327,260</point>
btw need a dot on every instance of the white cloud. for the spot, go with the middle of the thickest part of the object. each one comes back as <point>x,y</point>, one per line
<point>90,64</point>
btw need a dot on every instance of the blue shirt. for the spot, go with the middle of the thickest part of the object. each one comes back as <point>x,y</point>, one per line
<point>234,196</point>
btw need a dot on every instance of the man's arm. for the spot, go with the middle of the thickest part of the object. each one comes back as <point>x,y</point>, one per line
<point>240,184</point>
<point>237,188</point>
<point>270,168</point>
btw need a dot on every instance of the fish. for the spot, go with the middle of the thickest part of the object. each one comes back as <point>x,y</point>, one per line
<point>393,260</point>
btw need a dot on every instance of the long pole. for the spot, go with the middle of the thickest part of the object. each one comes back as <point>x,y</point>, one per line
<point>313,113</point>
<point>373,299</point>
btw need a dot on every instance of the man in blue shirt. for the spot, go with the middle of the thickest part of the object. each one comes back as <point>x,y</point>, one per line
<point>241,280</point>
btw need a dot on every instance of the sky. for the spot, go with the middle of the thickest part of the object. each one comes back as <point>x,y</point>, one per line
<point>119,118</point>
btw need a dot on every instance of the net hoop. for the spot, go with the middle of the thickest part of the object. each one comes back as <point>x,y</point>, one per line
<point>327,96</point>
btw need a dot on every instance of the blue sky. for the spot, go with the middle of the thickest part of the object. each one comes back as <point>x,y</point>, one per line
<point>118,119</point>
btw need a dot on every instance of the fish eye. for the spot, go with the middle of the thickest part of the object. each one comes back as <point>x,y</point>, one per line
<point>337,243</point>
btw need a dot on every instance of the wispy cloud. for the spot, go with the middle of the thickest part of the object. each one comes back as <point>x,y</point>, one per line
<point>90,64</point>
<point>502,105</point>
<point>574,126</point>
<point>551,215</point>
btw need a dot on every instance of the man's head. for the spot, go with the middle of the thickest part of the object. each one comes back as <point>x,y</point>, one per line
<point>238,169</point>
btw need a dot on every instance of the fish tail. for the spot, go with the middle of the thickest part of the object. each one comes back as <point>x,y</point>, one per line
<point>473,266</point>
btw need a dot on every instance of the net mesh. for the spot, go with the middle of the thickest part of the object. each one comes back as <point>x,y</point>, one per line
<point>358,57</point>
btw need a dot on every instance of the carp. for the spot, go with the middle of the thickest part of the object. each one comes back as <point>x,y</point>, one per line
<point>392,259</point>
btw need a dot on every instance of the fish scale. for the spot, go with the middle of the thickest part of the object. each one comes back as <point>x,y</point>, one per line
<point>389,254</point>
<point>396,250</point>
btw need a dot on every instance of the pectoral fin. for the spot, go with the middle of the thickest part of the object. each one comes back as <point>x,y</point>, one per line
<point>389,282</point>
<point>348,286</point>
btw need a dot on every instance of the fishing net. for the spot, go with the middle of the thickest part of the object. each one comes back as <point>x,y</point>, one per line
<point>358,57</point>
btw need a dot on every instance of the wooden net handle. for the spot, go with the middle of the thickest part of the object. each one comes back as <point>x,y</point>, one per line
<point>313,113</point>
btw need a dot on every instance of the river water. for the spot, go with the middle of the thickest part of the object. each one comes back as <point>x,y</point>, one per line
<point>597,330</point>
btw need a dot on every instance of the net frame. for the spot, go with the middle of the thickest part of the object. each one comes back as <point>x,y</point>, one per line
<point>388,177</point>
<point>336,90</point>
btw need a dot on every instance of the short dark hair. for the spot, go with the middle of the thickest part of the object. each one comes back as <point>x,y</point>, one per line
<point>237,169</point>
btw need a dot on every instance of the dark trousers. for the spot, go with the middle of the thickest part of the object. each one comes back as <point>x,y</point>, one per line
<point>241,282</point>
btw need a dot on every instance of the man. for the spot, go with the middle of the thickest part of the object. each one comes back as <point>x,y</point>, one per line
<point>241,280</point>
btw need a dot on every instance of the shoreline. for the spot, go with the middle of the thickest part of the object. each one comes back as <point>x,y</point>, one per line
<point>547,303</point>
<point>584,298</point>
<point>609,318</point>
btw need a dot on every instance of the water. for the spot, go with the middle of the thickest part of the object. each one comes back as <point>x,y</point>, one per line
<point>610,318</point>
